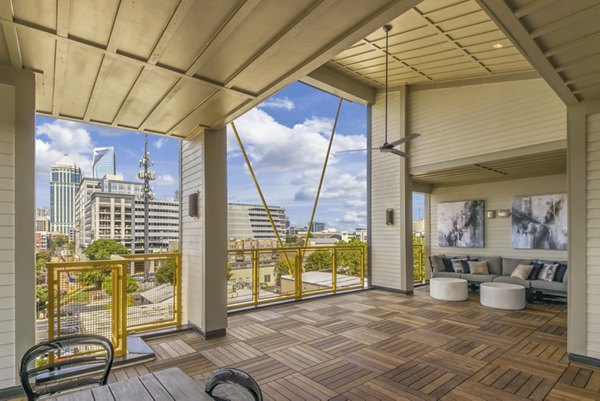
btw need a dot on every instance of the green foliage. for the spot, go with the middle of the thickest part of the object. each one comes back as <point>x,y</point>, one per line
<point>132,285</point>
<point>166,272</point>
<point>56,244</point>
<point>41,296</point>
<point>229,272</point>
<point>282,268</point>
<point>348,260</point>
<point>41,272</point>
<point>318,260</point>
<point>293,241</point>
<point>93,278</point>
<point>102,249</point>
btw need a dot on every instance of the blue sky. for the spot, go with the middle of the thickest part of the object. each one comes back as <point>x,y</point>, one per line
<point>57,137</point>
<point>286,138</point>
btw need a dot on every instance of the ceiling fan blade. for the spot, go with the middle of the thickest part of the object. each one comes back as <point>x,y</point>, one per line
<point>355,150</point>
<point>405,139</point>
<point>398,152</point>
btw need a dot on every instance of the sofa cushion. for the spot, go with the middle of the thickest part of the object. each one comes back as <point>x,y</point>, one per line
<point>437,263</point>
<point>561,271</point>
<point>548,272</point>
<point>479,278</point>
<point>446,274</point>
<point>549,285</point>
<point>510,264</point>
<point>512,280</point>
<point>447,264</point>
<point>535,272</point>
<point>522,272</point>
<point>458,265</point>
<point>478,267</point>
<point>494,263</point>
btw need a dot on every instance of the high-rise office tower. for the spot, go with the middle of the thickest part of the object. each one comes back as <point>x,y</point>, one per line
<point>65,177</point>
<point>104,162</point>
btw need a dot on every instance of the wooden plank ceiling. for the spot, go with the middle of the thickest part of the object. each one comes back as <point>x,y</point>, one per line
<point>175,66</point>
<point>436,41</point>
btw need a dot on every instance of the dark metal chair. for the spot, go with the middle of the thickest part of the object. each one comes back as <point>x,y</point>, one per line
<point>66,363</point>
<point>233,376</point>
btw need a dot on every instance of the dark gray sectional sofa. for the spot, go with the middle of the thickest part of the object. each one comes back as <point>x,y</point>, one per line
<point>500,269</point>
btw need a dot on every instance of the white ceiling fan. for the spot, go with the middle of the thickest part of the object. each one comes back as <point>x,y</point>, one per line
<point>387,147</point>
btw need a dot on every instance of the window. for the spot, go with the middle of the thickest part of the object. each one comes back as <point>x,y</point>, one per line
<point>267,278</point>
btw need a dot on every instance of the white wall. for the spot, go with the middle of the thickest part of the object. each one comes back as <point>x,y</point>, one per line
<point>497,195</point>
<point>387,243</point>
<point>17,219</point>
<point>593,234</point>
<point>466,121</point>
<point>204,239</point>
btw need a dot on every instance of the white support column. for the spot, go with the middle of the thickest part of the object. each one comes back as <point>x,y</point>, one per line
<point>204,239</point>
<point>17,220</point>
<point>391,262</point>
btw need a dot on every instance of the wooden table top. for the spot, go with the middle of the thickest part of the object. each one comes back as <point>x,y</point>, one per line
<point>166,385</point>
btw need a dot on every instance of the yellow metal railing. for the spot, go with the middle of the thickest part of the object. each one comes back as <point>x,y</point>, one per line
<point>114,298</point>
<point>418,262</point>
<point>265,275</point>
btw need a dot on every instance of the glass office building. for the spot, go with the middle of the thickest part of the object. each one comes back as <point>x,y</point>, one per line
<point>65,177</point>
<point>104,162</point>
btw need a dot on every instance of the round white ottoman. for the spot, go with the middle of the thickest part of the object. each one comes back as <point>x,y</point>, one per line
<point>502,296</point>
<point>448,289</point>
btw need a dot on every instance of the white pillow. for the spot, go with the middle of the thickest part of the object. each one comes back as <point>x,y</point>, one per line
<point>548,271</point>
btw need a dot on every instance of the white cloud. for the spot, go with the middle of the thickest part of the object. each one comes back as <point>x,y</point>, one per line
<point>159,143</point>
<point>278,103</point>
<point>59,137</point>
<point>165,180</point>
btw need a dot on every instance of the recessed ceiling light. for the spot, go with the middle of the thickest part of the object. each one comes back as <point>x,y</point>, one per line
<point>498,46</point>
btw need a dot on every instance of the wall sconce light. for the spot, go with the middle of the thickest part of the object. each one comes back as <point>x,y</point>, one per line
<point>389,217</point>
<point>193,204</point>
<point>490,214</point>
<point>504,213</point>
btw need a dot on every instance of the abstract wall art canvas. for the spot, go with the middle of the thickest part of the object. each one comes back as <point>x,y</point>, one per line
<point>460,224</point>
<point>540,222</point>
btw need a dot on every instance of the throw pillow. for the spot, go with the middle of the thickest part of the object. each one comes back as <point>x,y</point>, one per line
<point>448,264</point>
<point>457,266</point>
<point>522,272</point>
<point>465,264</point>
<point>537,268</point>
<point>548,271</point>
<point>560,273</point>
<point>477,267</point>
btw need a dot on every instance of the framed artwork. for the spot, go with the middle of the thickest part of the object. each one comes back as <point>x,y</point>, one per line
<point>460,224</point>
<point>540,222</point>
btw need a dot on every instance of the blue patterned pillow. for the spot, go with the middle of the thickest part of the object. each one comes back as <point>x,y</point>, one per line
<point>448,264</point>
<point>465,264</point>
<point>535,273</point>
<point>560,272</point>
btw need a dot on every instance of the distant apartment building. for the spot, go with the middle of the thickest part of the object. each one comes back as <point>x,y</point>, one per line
<point>110,208</point>
<point>246,221</point>
<point>163,225</point>
<point>105,162</point>
<point>317,227</point>
<point>42,241</point>
<point>65,178</point>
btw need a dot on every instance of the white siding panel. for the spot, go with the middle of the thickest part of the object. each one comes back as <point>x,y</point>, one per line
<point>192,228</point>
<point>498,231</point>
<point>593,234</point>
<point>385,193</point>
<point>7,267</point>
<point>474,120</point>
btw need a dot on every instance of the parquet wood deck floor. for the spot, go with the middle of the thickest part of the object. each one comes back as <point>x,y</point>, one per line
<point>377,345</point>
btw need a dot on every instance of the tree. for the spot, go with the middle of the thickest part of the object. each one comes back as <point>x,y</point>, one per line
<point>282,268</point>
<point>318,260</point>
<point>56,244</point>
<point>348,260</point>
<point>293,241</point>
<point>41,296</point>
<point>41,272</point>
<point>103,249</point>
<point>132,285</point>
<point>229,272</point>
<point>166,272</point>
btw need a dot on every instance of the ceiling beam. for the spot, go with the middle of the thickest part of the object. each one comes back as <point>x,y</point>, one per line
<point>532,7</point>
<point>341,85</point>
<point>10,34</point>
<point>63,9</point>
<point>371,22</point>
<point>206,54</point>
<point>566,22</point>
<point>506,20</point>
<point>129,59</point>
